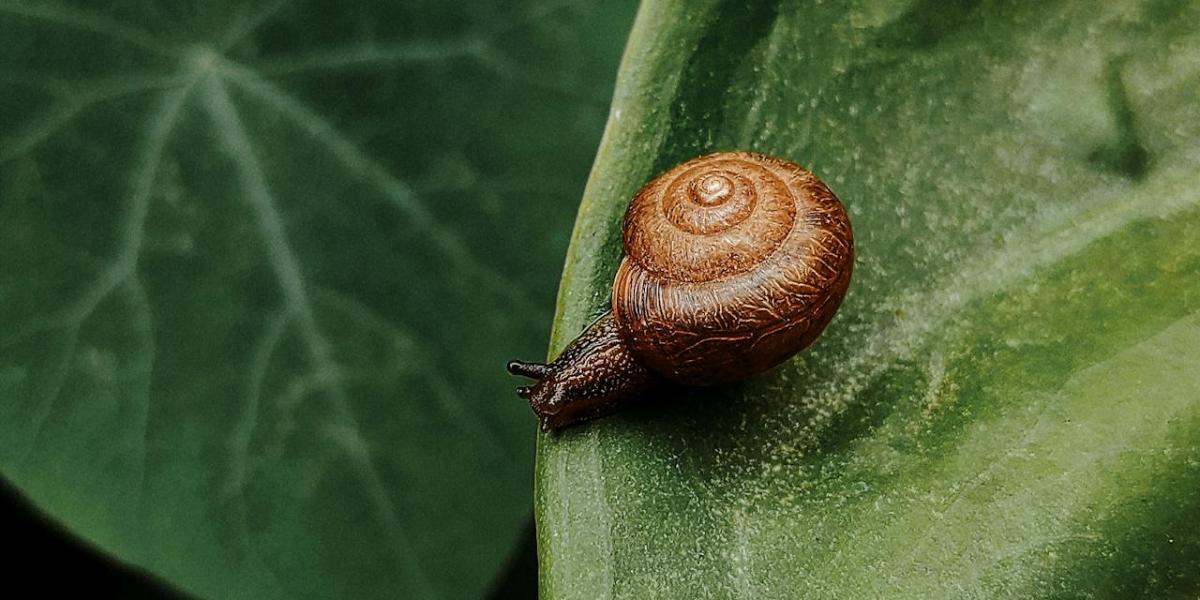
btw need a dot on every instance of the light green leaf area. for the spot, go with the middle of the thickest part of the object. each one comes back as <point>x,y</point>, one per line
<point>261,265</point>
<point>1008,403</point>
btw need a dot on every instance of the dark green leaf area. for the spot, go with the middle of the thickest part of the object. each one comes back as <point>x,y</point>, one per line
<point>261,265</point>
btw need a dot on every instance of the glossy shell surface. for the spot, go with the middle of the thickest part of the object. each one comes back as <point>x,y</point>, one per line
<point>733,263</point>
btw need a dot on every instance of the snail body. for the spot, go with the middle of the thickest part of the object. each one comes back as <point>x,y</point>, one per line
<point>733,262</point>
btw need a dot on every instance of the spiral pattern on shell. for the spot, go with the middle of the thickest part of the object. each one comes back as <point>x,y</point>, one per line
<point>733,262</point>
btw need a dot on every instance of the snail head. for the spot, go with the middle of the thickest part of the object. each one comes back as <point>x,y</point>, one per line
<point>591,377</point>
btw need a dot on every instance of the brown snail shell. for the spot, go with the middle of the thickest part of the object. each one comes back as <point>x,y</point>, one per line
<point>733,262</point>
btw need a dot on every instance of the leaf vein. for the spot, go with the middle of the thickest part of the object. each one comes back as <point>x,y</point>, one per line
<point>399,193</point>
<point>346,431</point>
<point>65,16</point>
<point>132,228</point>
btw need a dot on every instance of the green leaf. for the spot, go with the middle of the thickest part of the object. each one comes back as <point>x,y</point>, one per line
<point>261,265</point>
<point>1008,403</point>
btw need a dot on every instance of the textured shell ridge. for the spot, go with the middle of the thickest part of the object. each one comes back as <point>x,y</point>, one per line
<point>729,290</point>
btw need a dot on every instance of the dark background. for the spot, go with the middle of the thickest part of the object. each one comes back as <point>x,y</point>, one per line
<point>34,542</point>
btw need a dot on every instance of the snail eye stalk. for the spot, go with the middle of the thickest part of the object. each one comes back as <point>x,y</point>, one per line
<point>532,370</point>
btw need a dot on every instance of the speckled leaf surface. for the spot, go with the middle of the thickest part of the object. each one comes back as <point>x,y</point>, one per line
<point>1008,403</point>
<point>261,264</point>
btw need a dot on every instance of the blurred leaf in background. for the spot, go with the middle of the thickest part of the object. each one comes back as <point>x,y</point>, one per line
<point>261,264</point>
<point>1008,404</point>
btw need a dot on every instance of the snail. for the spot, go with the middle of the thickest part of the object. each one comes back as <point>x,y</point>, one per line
<point>733,263</point>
